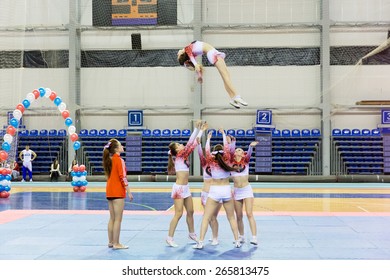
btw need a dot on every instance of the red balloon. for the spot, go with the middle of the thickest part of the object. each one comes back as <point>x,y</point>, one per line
<point>3,155</point>
<point>82,168</point>
<point>75,168</point>
<point>65,114</point>
<point>20,107</point>
<point>4,194</point>
<point>11,130</point>
<point>8,171</point>
<point>82,188</point>
<point>3,171</point>
<point>76,189</point>
<point>74,137</point>
<point>53,95</point>
<point>36,93</point>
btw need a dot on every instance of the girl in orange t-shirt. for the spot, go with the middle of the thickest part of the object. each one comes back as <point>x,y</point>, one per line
<point>116,188</point>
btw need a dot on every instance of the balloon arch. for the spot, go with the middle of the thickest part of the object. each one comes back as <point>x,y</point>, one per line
<point>79,174</point>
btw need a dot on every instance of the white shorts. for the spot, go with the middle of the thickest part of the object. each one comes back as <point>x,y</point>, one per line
<point>212,56</point>
<point>180,191</point>
<point>242,193</point>
<point>220,193</point>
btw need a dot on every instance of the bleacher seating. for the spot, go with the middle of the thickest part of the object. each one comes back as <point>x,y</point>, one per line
<point>103,132</point>
<point>53,132</point>
<point>83,132</point>
<point>357,151</point>
<point>33,132</point>
<point>122,132</point>
<point>112,132</point>
<point>62,132</point>
<point>43,132</point>
<point>276,133</point>
<point>231,132</point>
<point>185,132</point>
<point>166,132</point>
<point>146,132</point>
<point>176,132</point>
<point>240,133</point>
<point>93,132</point>
<point>295,132</point>
<point>286,133</point>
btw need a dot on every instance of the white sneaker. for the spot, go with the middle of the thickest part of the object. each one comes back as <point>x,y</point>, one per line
<point>23,180</point>
<point>234,104</point>
<point>214,242</point>
<point>238,99</point>
<point>198,245</point>
<point>237,244</point>
<point>31,180</point>
<point>171,243</point>
<point>241,239</point>
<point>254,241</point>
<point>193,237</point>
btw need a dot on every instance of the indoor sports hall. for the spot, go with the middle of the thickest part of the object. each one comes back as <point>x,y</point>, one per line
<point>300,87</point>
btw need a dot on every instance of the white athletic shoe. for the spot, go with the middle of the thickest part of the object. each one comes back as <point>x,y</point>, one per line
<point>237,244</point>
<point>198,245</point>
<point>214,242</point>
<point>171,243</point>
<point>31,180</point>
<point>241,101</point>
<point>234,104</point>
<point>23,180</point>
<point>241,239</point>
<point>254,241</point>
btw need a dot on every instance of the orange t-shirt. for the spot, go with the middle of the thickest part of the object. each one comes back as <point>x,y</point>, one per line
<point>117,182</point>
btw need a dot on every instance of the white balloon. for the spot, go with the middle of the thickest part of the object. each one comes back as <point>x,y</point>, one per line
<point>62,107</point>
<point>76,178</point>
<point>3,183</point>
<point>17,114</point>
<point>71,129</point>
<point>8,138</point>
<point>48,92</point>
<point>83,178</point>
<point>30,97</point>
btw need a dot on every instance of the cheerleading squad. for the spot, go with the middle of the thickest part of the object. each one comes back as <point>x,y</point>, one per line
<point>219,164</point>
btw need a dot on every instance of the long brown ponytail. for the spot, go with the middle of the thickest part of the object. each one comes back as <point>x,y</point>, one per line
<point>219,157</point>
<point>109,150</point>
<point>172,153</point>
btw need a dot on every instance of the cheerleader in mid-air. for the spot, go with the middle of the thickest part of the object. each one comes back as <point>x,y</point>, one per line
<point>187,57</point>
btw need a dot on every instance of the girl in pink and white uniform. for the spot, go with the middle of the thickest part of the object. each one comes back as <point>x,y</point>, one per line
<point>220,191</point>
<point>187,57</point>
<point>243,193</point>
<point>178,164</point>
<point>207,180</point>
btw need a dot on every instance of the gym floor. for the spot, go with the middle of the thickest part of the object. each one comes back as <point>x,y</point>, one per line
<point>296,221</point>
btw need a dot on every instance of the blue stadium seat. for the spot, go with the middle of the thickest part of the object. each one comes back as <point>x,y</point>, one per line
<point>43,132</point>
<point>366,132</point>
<point>122,132</point>
<point>176,132</point>
<point>375,132</point>
<point>156,132</point>
<point>103,132</point>
<point>286,132</point>
<point>24,132</point>
<point>276,133</point>
<point>53,132</point>
<point>112,132</point>
<point>146,132</point>
<point>83,132</point>
<point>315,132</point>
<point>231,132</point>
<point>186,132</point>
<point>346,132</point>
<point>93,132</point>
<point>356,132</point>
<point>33,132</point>
<point>61,132</point>
<point>240,132</point>
<point>305,132</point>
<point>295,132</point>
<point>213,131</point>
<point>336,132</point>
<point>250,132</point>
<point>2,132</point>
<point>166,132</point>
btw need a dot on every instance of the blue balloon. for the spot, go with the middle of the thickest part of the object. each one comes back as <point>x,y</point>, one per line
<point>7,189</point>
<point>84,183</point>
<point>76,145</point>
<point>84,173</point>
<point>72,173</point>
<point>77,174</point>
<point>73,183</point>
<point>1,177</point>
<point>26,103</point>
<point>14,122</point>
<point>57,101</point>
<point>68,121</point>
<point>42,91</point>
<point>6,146</point>
<point>2,188</point>
<point>8,177</point>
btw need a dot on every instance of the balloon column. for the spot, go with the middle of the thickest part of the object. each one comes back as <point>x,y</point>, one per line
<point>5,173</point>
<point>79,178</point>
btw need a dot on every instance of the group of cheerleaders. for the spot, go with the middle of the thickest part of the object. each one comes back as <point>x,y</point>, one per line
<point>219,164</point>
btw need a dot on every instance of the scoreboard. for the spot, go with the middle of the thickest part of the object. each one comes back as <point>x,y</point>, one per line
<point>134,12</point>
